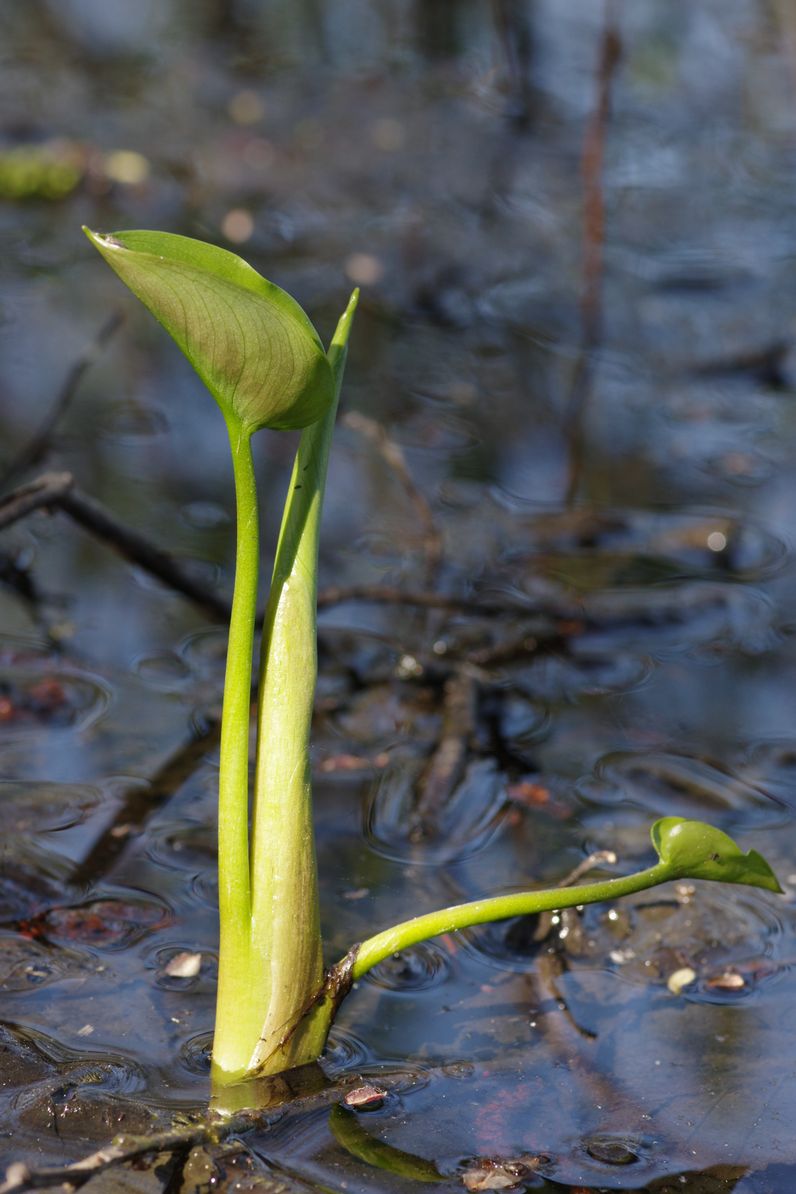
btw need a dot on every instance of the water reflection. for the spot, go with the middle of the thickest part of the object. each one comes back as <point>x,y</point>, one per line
<point>432,152</point>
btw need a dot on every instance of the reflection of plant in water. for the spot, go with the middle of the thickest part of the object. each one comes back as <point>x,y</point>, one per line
<point>262,360</point>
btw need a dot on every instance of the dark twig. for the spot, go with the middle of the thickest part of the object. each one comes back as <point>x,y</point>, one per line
<point>522,644</point>
<point>140,551</point>
<point>20,1178</point>
<point>43,493</point>
<point>295,1091</point>
<point>591,312</point>
<point>767,365</point>
<point>449,760</point>
<point>137,805</point>
<point>59,490</point>
<point>392,454</point>
<point>37,447</point>
<point>425,599</point>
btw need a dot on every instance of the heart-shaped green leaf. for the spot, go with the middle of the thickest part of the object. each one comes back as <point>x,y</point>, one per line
<point>694,850</point>
<point>249,341</point>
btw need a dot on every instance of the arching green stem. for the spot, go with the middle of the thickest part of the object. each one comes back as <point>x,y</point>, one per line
<point>478,912</point>
<point>317,1015</point>
<point>685,849</point>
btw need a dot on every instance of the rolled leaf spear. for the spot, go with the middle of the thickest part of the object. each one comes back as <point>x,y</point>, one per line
<point>263,362</point>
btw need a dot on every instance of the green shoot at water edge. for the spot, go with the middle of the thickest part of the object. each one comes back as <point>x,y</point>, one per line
<point>685,849</point>
<point>264,364</point>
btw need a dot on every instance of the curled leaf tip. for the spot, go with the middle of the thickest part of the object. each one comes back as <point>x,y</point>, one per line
<point>695,850</point>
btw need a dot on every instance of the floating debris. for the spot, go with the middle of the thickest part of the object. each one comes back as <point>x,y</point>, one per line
<point>183,965</point>
<point>611,1150</point>
<point>728,980</point>
<point>678,980</point>
<point>365,1098</point>
<point>496,1174</point>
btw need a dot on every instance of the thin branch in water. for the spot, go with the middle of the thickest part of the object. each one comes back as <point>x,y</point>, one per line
<point>21,1178</point>
<point>393,456</point>
<point>447,764</point>
<point>138,803</point>
<point>139,550</point>
<point>591,313</point>
<point>429,599</point>
<point>37,447</point>
<point>42,494</point>
<point>296,1090</point>
<point>58,490</point>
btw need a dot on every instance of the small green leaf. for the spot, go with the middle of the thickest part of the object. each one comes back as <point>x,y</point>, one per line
<point>249,341</point>
<point>694,850</point>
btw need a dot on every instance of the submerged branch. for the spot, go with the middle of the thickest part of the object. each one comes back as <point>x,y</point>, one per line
<point>212,1128</point>
<point>393,456</point>
<point>593,248</point>
<point>20,1178</point>
<point>430,599</point>
<point>45,492</point>
<point>296,1091</point>
<point>447,765</point>
<point>38,445</point>
<point>59,491</point>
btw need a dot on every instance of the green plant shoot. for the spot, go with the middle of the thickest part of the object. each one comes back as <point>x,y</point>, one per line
<point>265,365</point>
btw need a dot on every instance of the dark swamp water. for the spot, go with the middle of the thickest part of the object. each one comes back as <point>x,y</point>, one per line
<point>575,229</point>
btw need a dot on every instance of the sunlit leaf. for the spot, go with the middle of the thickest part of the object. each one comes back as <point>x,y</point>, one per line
<point>694,850</point>
<point>249,341</point>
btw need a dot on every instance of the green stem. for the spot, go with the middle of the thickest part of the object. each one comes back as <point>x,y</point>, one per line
<point>233,1028</point>
<point>462,916</point>
<point>286,958</point>
<point>319,1016</point>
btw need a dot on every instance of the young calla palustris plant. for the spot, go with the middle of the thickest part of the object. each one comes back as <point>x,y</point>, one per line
<point>685,849</point>
<point>262,360</point>
<point>264,363</point>
<point>249,341</point>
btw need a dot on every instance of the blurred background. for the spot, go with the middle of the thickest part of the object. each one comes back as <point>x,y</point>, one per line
<point>569,398</point>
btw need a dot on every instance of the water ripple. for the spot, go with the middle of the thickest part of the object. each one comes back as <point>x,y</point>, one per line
<point>414,969</point>
<point>679,785</point>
